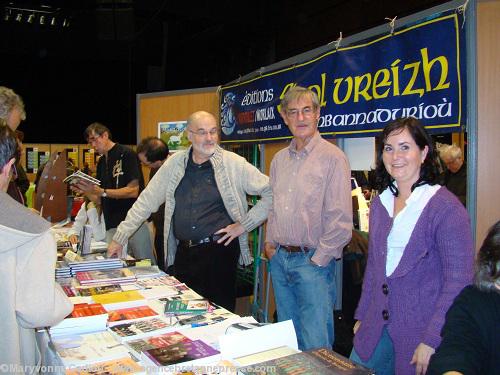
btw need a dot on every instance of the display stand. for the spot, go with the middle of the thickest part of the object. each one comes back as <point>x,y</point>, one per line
<point>51,199</point>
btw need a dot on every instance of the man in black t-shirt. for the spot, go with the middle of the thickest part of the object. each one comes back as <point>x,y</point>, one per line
<point>121,182</point>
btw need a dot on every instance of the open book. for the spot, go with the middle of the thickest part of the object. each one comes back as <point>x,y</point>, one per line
<point>80,176</point>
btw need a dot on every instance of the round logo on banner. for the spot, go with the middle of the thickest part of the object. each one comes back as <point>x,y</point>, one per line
<point>228,119</point>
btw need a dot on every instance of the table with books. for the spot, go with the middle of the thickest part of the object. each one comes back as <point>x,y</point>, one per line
<point>137,319</point>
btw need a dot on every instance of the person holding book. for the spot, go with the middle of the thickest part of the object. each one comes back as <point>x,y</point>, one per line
<point>91,214</point>
<point>471,333</point>
<point>121,181</point>
<point>310,221</point>
<point>30,297</point>
<point>420,255</point>
<point>152,153</point>
<point>207,219</point>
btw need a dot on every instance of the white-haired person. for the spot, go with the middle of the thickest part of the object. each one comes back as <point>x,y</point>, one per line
<point>455,175</point>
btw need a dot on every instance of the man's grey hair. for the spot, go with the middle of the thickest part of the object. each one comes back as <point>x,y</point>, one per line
<point>8,101</point>
<point>296,93</point>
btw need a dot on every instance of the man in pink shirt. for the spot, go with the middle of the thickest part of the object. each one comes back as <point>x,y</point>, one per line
<point>310,221</point>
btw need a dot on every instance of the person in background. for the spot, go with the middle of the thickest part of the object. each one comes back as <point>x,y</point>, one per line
<point>207,219</point>
<point>12,111</point>
<point>455,176</point>
<point>310,222</point>
<point>471,334</point>
<point>90,214</point>
<point>152,153</point>
<point>420,256</point>
<point>28,291</point>
<point>11,107</point>
<point>121,179</point>
<point>86,169</point>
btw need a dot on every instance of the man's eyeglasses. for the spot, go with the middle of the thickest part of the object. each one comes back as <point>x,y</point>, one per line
<point>92,139</point>
<point>203,132</point>
<point>306,112</point>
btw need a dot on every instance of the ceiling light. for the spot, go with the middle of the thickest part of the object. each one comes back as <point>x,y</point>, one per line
<point>65,23</point>
<point>42,20</point>
<point>19,17</point>
<point>8,13</point>
<point>53,22</point>
<point>31,17</point>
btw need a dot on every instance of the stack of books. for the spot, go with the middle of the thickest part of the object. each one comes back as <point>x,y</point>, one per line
<point>94,262</point>
<point>83,319</point>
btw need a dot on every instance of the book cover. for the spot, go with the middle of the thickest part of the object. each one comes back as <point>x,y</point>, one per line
<point>102,276</point>
<point>180,352</point>
<point>80,350</point>
<point>96,290</point>
<point>145,327</point>
<point>130,313</point>
<point>154,342</point>
<point>158,281</point>
<point>196,306</point>
<point>121,366</point>
<point>117,297</point>
<point>78,176</point>
<point>316,361</point>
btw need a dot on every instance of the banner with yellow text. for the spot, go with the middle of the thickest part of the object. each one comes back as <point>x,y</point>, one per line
<point>418,71</point>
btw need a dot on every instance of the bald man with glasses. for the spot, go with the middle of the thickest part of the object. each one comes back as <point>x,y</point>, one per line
<point>207,219</point>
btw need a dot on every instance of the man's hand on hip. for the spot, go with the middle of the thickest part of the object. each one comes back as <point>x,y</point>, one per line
<point>230,232</point>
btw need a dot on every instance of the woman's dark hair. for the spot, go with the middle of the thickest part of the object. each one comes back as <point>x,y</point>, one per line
<point>488,260</point>
<point>429,172</point>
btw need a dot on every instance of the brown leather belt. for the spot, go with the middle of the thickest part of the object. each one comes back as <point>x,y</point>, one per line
<point>294,249</point>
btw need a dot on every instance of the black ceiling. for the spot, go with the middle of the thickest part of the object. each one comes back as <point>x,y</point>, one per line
<point>109,50</point>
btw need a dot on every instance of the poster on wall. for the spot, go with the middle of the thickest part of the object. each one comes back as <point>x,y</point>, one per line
<point>418,70</point>
<point>174,134</point>
<point>31,157</point>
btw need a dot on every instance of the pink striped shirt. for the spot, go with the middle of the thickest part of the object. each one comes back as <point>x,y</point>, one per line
<point>312,203</point>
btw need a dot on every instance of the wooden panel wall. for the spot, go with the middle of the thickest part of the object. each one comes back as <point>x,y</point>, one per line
<point>488,142</point>
<point>173,106</point>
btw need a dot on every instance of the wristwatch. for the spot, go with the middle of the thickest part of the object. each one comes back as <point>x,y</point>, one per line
<point>104,194</point>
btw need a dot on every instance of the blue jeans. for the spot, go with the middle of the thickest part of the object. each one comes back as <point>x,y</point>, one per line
<point>382,359</point>
<point>305,293</point>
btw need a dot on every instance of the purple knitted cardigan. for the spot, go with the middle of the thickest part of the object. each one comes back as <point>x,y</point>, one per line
<point>412,302</point>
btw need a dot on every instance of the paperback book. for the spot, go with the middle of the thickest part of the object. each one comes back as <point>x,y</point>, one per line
<point>79,176</point>
<point>130,314</point>
<point>83,319</point>
<point>121,366</point>
<point>177,307</point>
<point>316,361</point>
<point>188,353</point>
<point>80,350</point>
<point>116,276</point>
<point>137,347</point>
<point>142,328</point>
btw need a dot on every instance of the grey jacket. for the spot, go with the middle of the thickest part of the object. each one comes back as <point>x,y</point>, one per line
<point>235,178</point>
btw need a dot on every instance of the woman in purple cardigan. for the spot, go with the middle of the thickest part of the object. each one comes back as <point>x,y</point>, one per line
<point>420,256</point>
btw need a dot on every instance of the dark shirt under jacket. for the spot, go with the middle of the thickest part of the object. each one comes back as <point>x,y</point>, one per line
<point>457,182</point>
<point>115,170</point>
<point>199,209</point>
<point>471,335</point>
